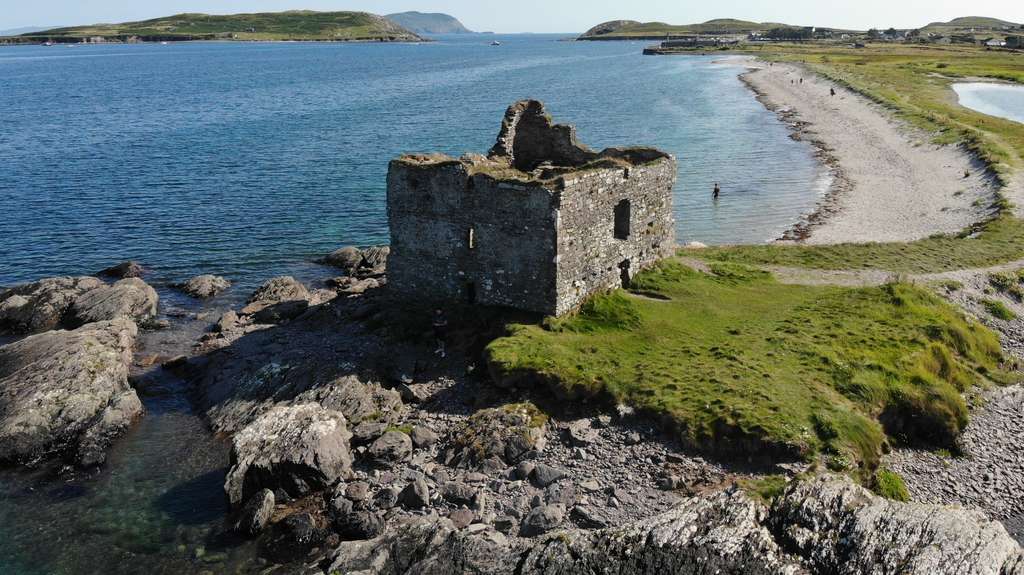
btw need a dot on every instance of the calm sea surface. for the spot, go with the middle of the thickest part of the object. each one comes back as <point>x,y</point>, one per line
<point>1003,100</point>
<point>248,160</point>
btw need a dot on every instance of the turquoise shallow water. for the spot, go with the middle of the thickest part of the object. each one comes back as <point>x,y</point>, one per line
<point>248,160</point>
<point>1002,100</point>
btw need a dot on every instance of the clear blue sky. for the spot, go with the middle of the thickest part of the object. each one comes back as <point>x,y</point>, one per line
<point>537,15</point>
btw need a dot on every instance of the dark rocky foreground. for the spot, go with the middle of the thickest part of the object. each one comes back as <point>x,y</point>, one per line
<point>354,449</point>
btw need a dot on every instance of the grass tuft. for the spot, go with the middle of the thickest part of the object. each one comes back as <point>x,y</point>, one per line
<point>890,485</point>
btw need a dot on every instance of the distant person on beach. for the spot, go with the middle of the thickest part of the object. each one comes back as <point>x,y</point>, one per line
<point>716,192</point>
<point>832,91</point>
<point>440,332</point>
<point>801,80</point>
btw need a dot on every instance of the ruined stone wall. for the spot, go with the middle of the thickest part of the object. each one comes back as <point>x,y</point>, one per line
<point>431,209</point>
<point>589,254</point>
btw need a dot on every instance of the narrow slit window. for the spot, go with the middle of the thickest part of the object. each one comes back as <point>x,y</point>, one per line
<point>472,238</point>
<point>622,217</point>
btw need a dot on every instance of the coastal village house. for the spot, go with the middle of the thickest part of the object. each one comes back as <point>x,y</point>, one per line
<point>539,224</point>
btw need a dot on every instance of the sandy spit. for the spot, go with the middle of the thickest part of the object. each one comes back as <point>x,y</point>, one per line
<point>890,184</point>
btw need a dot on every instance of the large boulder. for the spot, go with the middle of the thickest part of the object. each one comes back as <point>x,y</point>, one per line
<point>205,286</point>
<point>129,298</point>
<point>299,449</point>
<point>66,393</point>
<point>42,305</point>
<point>837,526</point>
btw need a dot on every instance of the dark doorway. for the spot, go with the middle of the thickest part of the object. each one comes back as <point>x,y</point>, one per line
<point>622,217</point>
<point>471,293</point>
<point>624,274</point>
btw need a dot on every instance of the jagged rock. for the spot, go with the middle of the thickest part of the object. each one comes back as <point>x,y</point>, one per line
<point>294,537</point>
<point>42,305</point>
<point>205,286</point>
<point>587,517</point>
<point>227,322</point>
<point>542,519</point>
<point>461,518</point>
<point>427,547</point>
<point>390,448</point>
<point>544,475</point>
<point>255,514</point>
<point>129,298</point>
<point>416,495</point>
<point>67,393</point>
<point>414,393</point>
<point>124,270</point>
<point>299,449</point>
<point>581,434</point>
<point>720,533</point>
<point>368,431</point>
<point>457,493</point>
<point>360,524</point>
<point>561,492</point>
<point>836,526</point>
<point>422,436</point>
<point>358,400</point>
<point>375,258</point>
<point>508,432</point>
<point>347,258</point>
<point>386,498</point>
<point>358,492</point>
<point>275,291</point>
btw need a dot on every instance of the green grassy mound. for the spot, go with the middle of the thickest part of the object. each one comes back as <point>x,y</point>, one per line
<point>739,364</point>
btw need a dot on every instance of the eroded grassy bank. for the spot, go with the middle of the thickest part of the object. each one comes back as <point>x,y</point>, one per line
<point>738,363</point>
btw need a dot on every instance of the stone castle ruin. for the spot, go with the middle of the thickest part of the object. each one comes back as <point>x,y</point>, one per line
<point>539,224</point>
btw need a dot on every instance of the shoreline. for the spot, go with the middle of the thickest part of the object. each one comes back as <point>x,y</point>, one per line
<point>889,184</point>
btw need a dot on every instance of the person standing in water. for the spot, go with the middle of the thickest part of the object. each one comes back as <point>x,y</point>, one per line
<point>716,192</point>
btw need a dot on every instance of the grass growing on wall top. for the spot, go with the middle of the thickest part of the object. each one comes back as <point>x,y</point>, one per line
<point>737,363</point>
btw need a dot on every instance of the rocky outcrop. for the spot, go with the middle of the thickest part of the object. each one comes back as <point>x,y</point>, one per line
<point>279,289</point>
<point>507,433</point>
<point>42,305</point>
<point>66,393</point>
<point>204,286</point>
<point>836,526</point>
<point>825,525</point>
<point>123,270</point>
<point>129,298</point>
<point>298,449</point>
<point>356,262</point>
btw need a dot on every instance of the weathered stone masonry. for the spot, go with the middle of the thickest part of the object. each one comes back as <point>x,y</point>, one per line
<point>539,224</point>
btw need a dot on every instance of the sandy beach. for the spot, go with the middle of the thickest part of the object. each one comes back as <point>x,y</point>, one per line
<point>890,183</point>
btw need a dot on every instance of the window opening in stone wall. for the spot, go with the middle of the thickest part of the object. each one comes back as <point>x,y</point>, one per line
<point>622,217</point>
<point>471,293</point>
<point>624,274</point>
<point>472,238</point>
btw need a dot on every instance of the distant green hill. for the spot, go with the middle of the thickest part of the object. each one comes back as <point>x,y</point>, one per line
<point>630,29</point>
<point>976,27</point>
<point>422,23</point>
<point>293,25</point>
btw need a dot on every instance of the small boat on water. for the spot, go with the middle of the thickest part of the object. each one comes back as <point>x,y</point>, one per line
<point>495,43</point>
<point>47,43</point>
<point>164,43</point>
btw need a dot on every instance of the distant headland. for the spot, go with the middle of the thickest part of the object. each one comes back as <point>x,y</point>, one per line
<point>429,23</point>
<point>296,25</point>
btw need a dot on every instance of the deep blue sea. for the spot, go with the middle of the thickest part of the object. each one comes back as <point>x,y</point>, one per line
<point>248,160</point>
